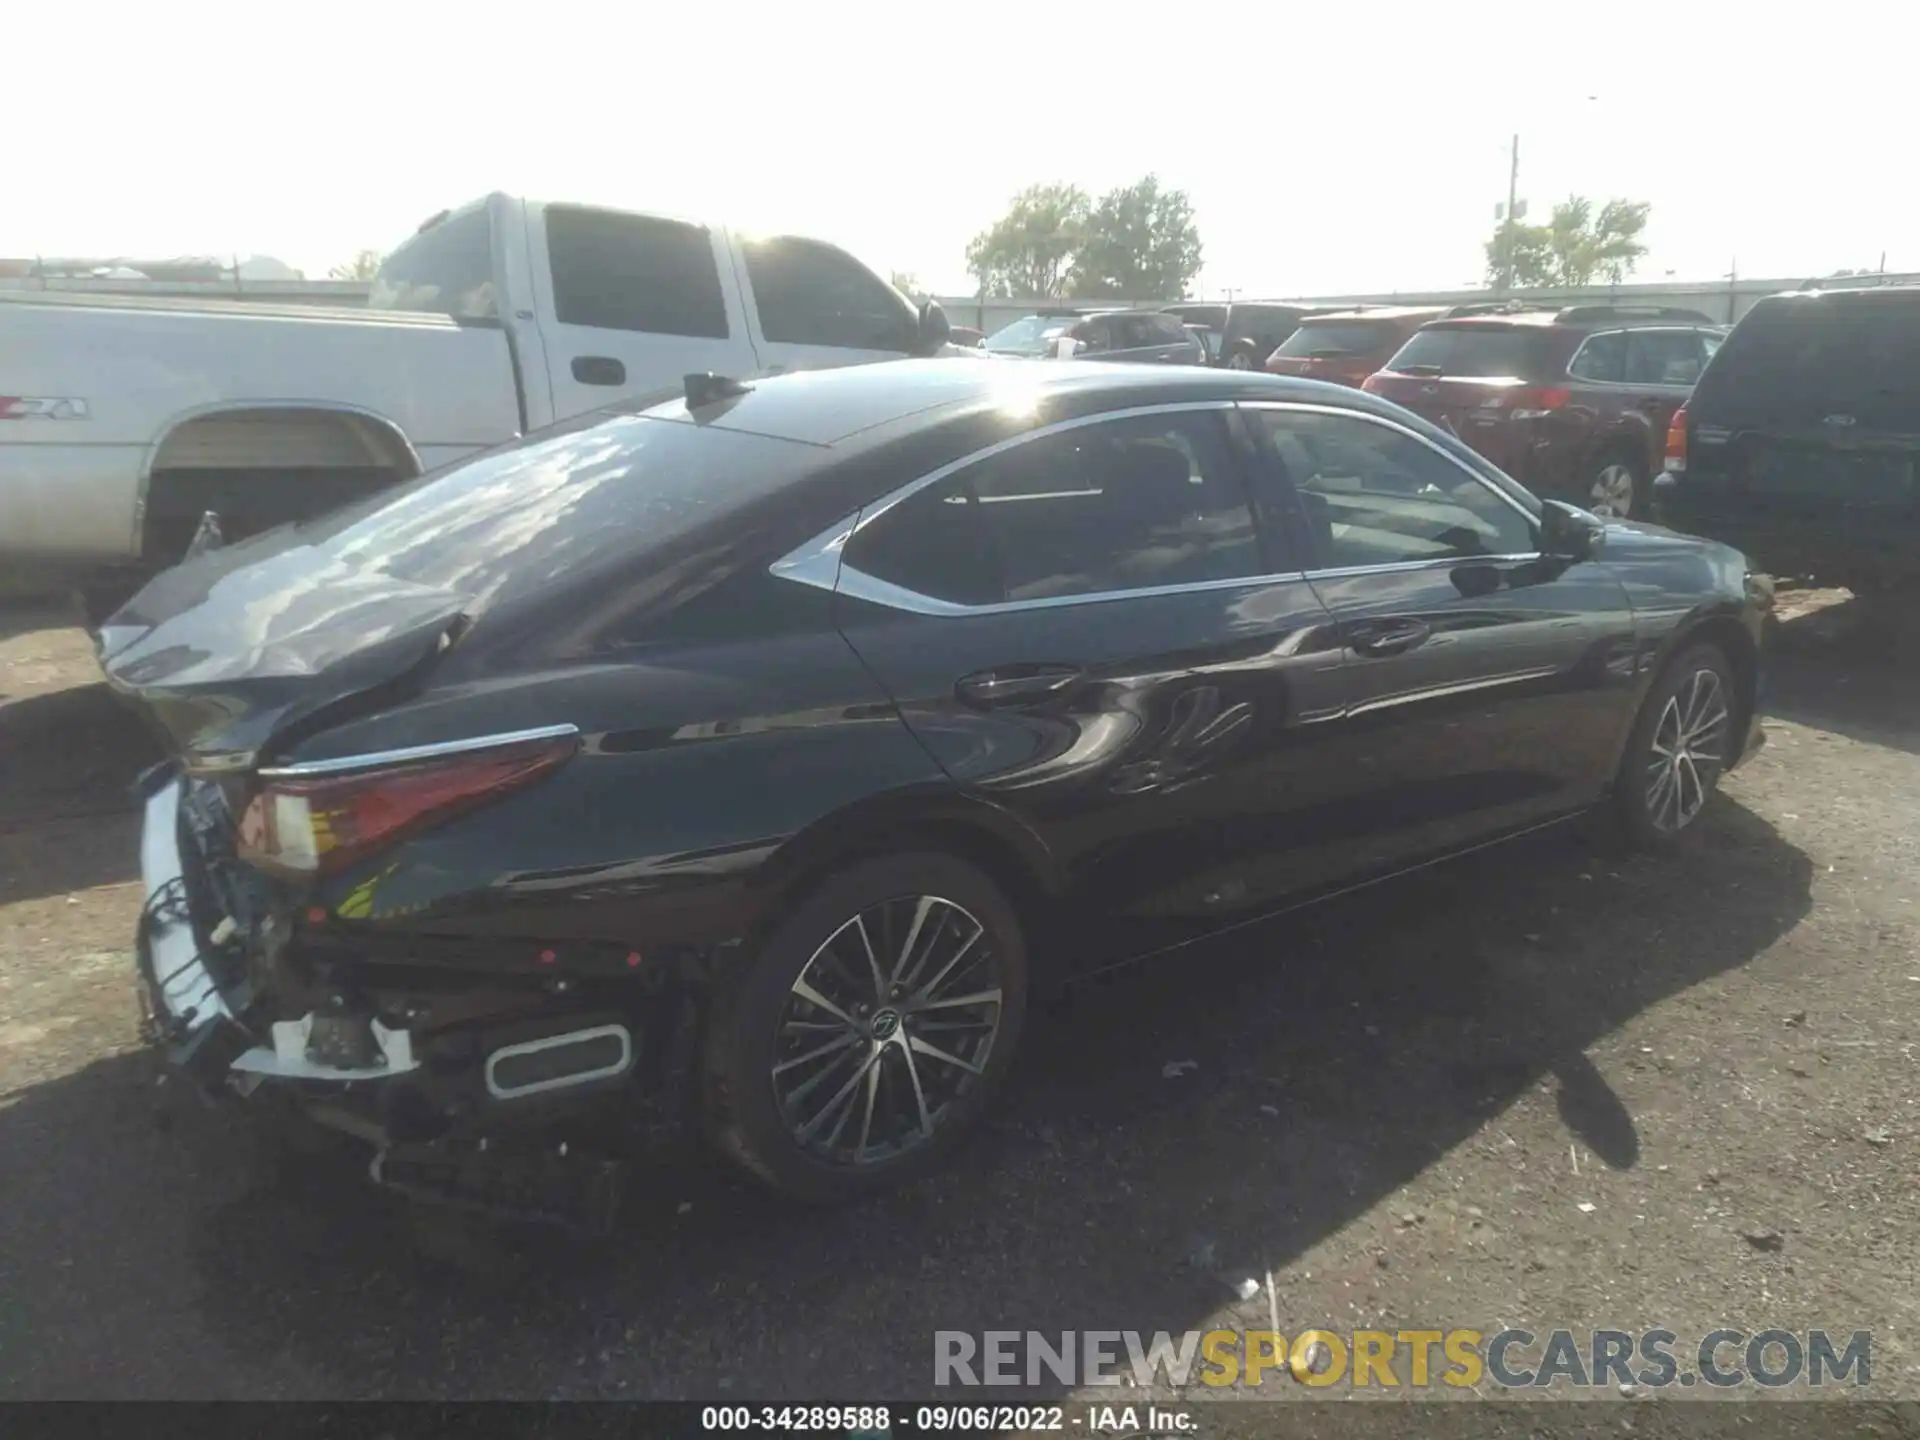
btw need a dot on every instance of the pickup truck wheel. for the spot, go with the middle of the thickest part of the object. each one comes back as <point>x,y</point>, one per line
<point>871,1030</point>
<point>1619,489</point>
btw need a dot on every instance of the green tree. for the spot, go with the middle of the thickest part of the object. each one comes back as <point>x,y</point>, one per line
<point>1140,242</point>
<point>1029,251</point>
<point>1575,247</point>
<point>362,267</point>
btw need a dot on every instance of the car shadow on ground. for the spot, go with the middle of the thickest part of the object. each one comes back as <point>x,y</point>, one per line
<point>1339,1052</point>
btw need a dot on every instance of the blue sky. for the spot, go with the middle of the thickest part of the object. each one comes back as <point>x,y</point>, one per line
<point>1326,148</point>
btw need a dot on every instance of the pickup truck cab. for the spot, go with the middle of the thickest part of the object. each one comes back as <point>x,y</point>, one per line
<point>124,419</point>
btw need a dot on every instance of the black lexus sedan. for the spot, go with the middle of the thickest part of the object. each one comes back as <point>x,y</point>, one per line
<point>786,736</point>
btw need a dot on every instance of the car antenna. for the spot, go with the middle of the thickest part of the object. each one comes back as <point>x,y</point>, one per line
<point>706,388</point>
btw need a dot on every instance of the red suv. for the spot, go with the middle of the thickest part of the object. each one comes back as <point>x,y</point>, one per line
<point>1573,403</point>
<point>1346,346</point>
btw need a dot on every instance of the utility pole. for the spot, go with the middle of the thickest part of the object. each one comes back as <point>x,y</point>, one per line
<point>1506,232</point>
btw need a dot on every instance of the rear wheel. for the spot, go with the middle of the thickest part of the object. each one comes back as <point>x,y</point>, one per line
<point>1239,358</point>
<point>871,1030</point>
<point>1619,489</point>
<point>1680,747</point>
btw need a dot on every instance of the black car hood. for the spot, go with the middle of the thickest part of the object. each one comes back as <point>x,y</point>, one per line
<point>230,648</point>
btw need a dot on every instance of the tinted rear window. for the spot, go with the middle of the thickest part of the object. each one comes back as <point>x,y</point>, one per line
<point>1472,350</point>
<point>1336,337</point>
<point>561,505</point>
<point>1860,357</point>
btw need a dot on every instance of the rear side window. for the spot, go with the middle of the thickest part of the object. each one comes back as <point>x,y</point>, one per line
<point>1124,505</point>
<point>446,269</point>
<point>808,293</point>
<point>1663,357</point>
<point>1166,330</point>
<point>1603,357</point>
<point>1472,351</point>
<point>1264,327</point>
<point>1811,357</point>
<point>634,272</point>
<point>1336,338</point>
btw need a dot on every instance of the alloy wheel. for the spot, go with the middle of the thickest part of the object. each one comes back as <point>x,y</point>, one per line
<point>1612,492</point>
<point>1688,751</point>
<point>1239,360</point>
<point>887,1026</point>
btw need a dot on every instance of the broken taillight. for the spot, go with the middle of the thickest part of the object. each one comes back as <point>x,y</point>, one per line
<point>301,825</point>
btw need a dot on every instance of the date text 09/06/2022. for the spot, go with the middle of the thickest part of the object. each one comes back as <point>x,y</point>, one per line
<point>884,1420</point>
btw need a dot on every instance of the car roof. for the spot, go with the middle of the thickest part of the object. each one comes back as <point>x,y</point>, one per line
<point>1376,312</point>
<point>831,408</point>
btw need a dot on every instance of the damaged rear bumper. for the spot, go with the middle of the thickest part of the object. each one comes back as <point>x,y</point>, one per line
<point>445,1105</point>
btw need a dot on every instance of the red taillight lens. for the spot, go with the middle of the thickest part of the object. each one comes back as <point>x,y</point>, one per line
<point>301,826</point>
<point>1677,441</point>
<point>1533,401</point>
<point>1372,384</point>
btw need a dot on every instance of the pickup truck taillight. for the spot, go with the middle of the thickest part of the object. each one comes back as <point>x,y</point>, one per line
<point>1677,441</point>
<point>300,826</point>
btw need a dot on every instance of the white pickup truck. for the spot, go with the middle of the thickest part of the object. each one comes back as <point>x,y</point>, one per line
<point>123,420</point>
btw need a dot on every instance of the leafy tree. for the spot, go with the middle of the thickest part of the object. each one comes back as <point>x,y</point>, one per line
<point>1029,251</point>
<point>1140,242</point>
<point>1575,247</point>
<point>362,267</point>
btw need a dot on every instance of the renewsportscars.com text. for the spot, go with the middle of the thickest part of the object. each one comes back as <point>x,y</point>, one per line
<point>1510,1359</point>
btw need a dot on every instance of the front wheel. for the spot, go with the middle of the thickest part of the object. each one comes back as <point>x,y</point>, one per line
<point>870,1031</point>
<point>1679,748</point>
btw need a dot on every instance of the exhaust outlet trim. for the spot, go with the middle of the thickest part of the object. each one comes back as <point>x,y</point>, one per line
<point>605,1070</point>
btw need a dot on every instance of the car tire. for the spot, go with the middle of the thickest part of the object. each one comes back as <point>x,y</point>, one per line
<point>1619,479</point>
<point>784,1094</point>
<point>1239,358</point>
<point>1681,744</point>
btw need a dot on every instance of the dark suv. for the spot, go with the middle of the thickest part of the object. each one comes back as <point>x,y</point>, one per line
<point>1145,336</point>
<point>1802,436</point>
<point>1243,335</point>
<point>1573,403</point>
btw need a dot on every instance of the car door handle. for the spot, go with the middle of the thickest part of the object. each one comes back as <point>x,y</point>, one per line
<point>1017,684</point>
<point>1388,637</point>
<point>599,370</point>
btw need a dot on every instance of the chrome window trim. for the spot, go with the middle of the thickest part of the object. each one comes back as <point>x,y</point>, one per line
<point>820,561</point>
<point>862,586</point>
<point>378,759</point>
<point>1447,562</point>
<point>1581,349</point>
<point>1384,423</point>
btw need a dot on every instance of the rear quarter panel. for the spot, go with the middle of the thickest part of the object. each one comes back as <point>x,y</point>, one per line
<point>709,776</point>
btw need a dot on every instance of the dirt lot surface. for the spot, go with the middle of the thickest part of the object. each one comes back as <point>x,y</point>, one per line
<point>1537,1087</point>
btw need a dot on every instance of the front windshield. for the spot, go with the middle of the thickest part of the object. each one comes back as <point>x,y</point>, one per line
<point>1031,335</point>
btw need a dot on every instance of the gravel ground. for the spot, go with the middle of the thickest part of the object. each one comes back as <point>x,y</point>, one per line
<point>1536,1087</point>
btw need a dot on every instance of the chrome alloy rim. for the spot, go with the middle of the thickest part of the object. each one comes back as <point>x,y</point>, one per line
<point>1688,751</point>
<point>1612,492</point>
<point>887,1026</point>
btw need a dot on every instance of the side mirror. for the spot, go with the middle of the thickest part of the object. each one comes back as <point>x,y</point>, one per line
<point>1569,532</point>
<point>934,329</point>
